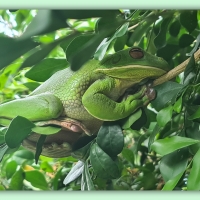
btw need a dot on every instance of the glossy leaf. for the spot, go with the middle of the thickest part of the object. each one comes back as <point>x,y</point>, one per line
<point>174,28</point>
<point>17,179</point>
<point>39,145</point>
<point>46,68</point>
<point>18,130</point>
<point>11,49</point>
<point>168,145</point>
<point>75,172</point>
<point>170,184</point>
<point>185,40</point>
<point>37,179</point>
<point>164,116</point>
<point>102,163</point>
<point>189,19</point>
<point>134,117</point>
<point>22,155</point>
<point>165,93</point>
<point>45,50</point>
<point>194,176</point>
<point>110,139</point>
<point>11,169</point>
<point>178,105</point>
<point>128,155</point>
<point>170,169</point>
<point>46,130</point>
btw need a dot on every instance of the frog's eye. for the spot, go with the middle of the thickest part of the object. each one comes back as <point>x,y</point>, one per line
<point>136,53</point>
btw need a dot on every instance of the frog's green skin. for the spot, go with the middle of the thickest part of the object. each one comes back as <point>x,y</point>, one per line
<point>90,94</point>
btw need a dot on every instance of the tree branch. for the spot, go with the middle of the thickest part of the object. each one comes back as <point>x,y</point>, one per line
<point>176,71</point>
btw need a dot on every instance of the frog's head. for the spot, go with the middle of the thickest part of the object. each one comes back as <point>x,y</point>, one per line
<point>133,64</point>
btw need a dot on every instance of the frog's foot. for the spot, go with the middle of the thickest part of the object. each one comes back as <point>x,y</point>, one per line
<point>67,123</point>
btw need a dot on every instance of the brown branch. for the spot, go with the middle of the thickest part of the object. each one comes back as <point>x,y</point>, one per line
<point>176,71</point>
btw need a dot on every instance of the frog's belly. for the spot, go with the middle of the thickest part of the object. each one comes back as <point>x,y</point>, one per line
<point>78,112</point>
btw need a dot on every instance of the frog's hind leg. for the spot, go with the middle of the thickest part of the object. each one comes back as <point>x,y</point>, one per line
<point>38,107</point>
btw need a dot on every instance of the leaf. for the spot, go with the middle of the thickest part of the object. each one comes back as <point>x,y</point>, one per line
<point>11,49</point>
<point>39,145</point>
<point>102,163</point>
<point>75,172</point>
<point>37,179</point>
<point>170,169</point>
<point>17,179</point>
<point>170,184</point>
<point>164,116</point>
<point>128,155</point>
<point>134,117</point>
<point>17,131</point>
<point>86,182</point>
<point>46,130</point>
<point>45,166</point>
<point>160,39</point>
<point>44,50</point>
<point>188,19</point>
<point>76,43</point>
<point>51,21</point>
<point>45,69</point>
<point>84,53</point>
<point>194,176</point>
<point>99,54</point>
<point>165,93</point>
<point>168,145</point>
<point>110,139</point>
<point>22,155</point>
<point>174,28</point>
<point>185,40</point>
<point>178,105</point>
<point>195,115</point>
<point>3,150</point>
<point>11,169</point>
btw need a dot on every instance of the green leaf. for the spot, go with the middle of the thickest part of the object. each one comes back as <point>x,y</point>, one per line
<point>195,115</point>
<point>128,155</point>
<point>22,155</point>
<point>110,139</point>
<point>45,69</point>
<point>164,116</point>
<point>75,172</point>
<point>168,145</point>
<point>102,163</point>
<point>17,131</point>
<point>11,49</point>
<point>170,184</point>
<point>17,179</point>
<point>31,85</point>
<point>160,39</point>
<point>3,150</point>
<point>178,105</point>
<point>194,176</point>
<point>51,21</point>
<point>44,50</point>
<point>185,40</point>
<point>11,169</point>
<point>37,179</point>
<point>188,19</point>
<point>39,145</point>
<point>134,117</point>
<point>189,68</point>
<point>102,49</point>
<point>165,93</point>
<point>174,28</point>
<point>45,166</point>
<point>76,43</point>
<point>170,169</point>
<point>46,130</point>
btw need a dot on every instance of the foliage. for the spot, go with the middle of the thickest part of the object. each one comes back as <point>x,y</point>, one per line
<point>157,148</point>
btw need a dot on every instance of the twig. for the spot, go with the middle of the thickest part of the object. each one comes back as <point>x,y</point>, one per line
<point>176,71</point>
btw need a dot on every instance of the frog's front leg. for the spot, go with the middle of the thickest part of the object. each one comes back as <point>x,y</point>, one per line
<point>102,107</point>
<point>38,107</point>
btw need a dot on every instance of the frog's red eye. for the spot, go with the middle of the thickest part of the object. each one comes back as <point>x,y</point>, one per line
<point>136,53</point>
